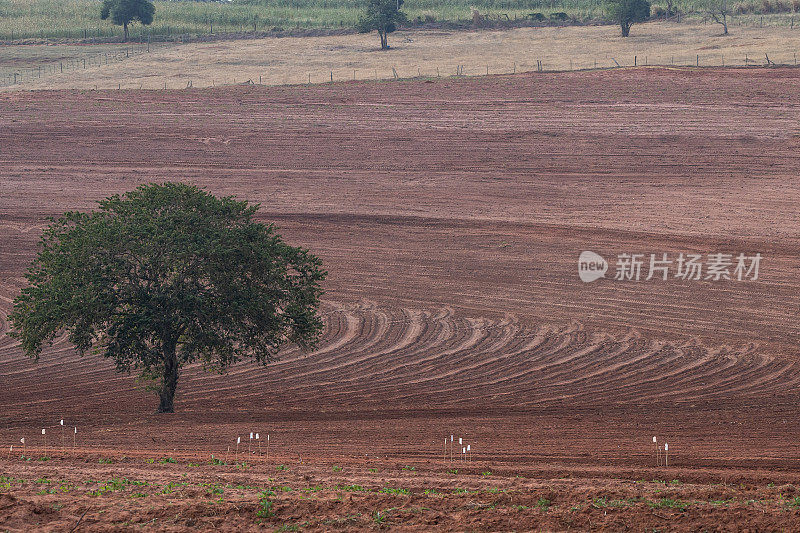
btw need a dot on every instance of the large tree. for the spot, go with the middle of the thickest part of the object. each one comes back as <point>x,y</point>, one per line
<point>166,275</point>
<point>627,12</point>
<point>124,12</point>
<point>384,16</point>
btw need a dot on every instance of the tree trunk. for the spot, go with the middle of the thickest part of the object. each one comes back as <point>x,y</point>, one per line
<point>170,379</point>
<point>724,25</point>
<point>384,39</point>
<point>626,28</point>
<point>125,28</point>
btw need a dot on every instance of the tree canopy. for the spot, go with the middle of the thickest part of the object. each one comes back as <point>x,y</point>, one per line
<point>124,12</point>
<point>384,16</point>
<point>627,12</point>
<point>165,275</point>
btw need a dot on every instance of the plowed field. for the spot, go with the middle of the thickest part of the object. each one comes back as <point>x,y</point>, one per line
<point>450,215</point>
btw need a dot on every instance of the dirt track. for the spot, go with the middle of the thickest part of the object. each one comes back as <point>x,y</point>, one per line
<point>450,216</point>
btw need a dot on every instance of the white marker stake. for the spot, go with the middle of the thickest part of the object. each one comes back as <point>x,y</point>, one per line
<point>63,447</point>
<point>469,449</point>
<point>249,443</point>
<point>22,440</point>
<point>658,460</point>
<point>666,454</point>
<point>445,448</point>
<point>463,453</point>
<point>44,434</point>
<point>259,444</point>
<point>236,457</point>
<point>267,446</point>
<point>74,436</point>
<point>451,448</point>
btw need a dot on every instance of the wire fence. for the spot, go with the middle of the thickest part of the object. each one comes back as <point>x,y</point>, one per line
<point>291,75</point>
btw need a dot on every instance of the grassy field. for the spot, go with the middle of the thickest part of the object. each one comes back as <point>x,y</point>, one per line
<point>291,60</point>
<point>78,19</point>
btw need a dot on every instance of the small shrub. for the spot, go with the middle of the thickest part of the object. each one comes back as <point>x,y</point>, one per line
<point>538,17</point>
<point>337,468</point>
<point>543,504</point>
<point>104,461</point>
<point>165,460</point>
<point>281,468</point>
<point>265,506</point>
<point>559,16</point>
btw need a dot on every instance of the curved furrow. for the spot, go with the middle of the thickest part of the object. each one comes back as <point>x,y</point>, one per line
<point>377,324</point>
<point>363,332</point>
<point>452,334</point>
<point>497,337</point>
<point>748,369</point>
<point>649,359</point>
<point>553,354</point>
<point>697,363</point>
<point>728,370</point>
<point>581,377</point>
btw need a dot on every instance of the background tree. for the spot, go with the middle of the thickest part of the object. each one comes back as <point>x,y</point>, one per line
<point>718,11</point>
<point>384,16</point>
<point>124,12</point>
<point>166,275</point>
<point>627,12</point>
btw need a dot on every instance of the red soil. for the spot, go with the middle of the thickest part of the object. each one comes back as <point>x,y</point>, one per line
<point>450,216</point>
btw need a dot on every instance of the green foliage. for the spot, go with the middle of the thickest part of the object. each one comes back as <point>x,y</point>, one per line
<point>165,460</point>
<point>124,12</point>
<point>669,503</point>
<point>392,490</point>
<point>265,506</point>
<point>627,12</point>
<point>281,468</point>
<point>384,16</point>
<point>543,504</point>
<point>167,275</point>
